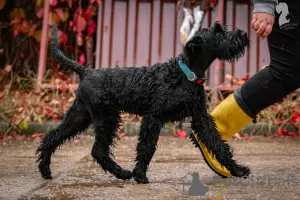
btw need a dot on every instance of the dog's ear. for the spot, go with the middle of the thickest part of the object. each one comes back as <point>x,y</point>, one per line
<point>193,45</point>
<point>218,27</point>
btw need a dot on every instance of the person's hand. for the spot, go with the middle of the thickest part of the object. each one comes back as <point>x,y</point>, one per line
<point>262,23</point>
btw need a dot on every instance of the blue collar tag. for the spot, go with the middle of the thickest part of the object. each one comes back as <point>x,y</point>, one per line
<point>190,75</point>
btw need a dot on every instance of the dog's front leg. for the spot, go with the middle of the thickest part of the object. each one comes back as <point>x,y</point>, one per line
<point>149,134</point>
<point>206,133</point>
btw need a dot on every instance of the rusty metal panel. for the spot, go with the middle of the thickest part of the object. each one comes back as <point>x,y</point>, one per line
<point>139,33</point>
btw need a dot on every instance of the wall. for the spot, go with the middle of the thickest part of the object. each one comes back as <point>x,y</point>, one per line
<point>144,32</point>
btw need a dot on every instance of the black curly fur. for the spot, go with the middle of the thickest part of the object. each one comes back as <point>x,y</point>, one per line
<point>160,93</point>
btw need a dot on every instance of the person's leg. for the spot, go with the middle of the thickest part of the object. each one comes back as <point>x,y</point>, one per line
<point>263,89</point>
<point>277,80</point>
<point>185,27</point>
<point>198,17</point>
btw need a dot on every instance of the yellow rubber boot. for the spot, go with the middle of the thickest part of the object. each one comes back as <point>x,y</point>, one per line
<point>229,118</point>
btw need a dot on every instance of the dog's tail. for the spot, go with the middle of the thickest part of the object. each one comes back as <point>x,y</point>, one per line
<point>56,52</point>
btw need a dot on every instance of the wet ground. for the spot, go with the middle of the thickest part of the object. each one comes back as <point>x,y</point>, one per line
<point>275,165</point>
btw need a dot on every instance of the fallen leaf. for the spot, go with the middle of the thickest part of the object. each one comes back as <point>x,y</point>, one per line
<point>80,23</point>
<point>181,134</point>
<point>237,135</point>
<point>81,59</point>
<point>91,27</point>
<point>40,13</point>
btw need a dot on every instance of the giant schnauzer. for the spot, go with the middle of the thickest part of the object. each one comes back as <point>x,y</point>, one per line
<point>164,92</point>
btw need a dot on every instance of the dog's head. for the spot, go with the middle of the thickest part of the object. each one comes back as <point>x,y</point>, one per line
<point>215,42</point>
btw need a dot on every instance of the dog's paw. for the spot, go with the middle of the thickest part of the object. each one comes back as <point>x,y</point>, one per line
<point>141,179</point>
<point>241,171</point>
<point>45,171</point>
<point>124,175</point>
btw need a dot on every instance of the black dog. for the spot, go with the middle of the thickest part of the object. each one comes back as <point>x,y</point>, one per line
<point>165,92</point>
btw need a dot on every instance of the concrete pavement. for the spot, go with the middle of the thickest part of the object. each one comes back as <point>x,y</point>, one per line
<point>275,165</point>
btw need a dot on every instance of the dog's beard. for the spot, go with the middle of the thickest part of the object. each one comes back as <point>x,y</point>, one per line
<point>233,48</point>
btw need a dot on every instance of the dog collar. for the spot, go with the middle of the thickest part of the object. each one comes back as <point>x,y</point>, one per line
<point>191,76</point>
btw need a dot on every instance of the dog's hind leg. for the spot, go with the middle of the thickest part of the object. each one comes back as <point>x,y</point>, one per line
<point>77,120</point>
<point>105,130</point>
<point>146,147</point>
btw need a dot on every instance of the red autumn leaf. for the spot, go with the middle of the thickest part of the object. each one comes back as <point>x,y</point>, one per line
<point>63,38</point>
<point>246,78</point>
<point>64,86</point>
<point>91,27</point>
<point>295,117</point>
<point>79,40</point>
<point>70,2</point>
<point>122,136</point>
<point>181,134</point>
<point>53,2</point>
<point>93,1</point>
<point>40,13</point>
<point>246,136</point>
<point>60,13</point>
<point>14,134</point>
<point>80,24</point>
<point>15,21</point>
<point>76,141</point>
<point>6,138</point>
<point>61,76</point>
<point>81,59</point>
<point>25,27</point>
<point>117,63</point>
<point>17,30</point>
<point>82,137</point>
<point>163,137</point>
<point>48,110</point>
<point>18,13</point>
<point>281,132</point>
<point>87,14</point>
<point>292,134</point>
<point>237,135</point>
<point>97,1</point>
<point>38,136</point>
<point>54,18</point>
<point>55,117</point>
<point>18,136</point>
<point>13,121</point>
